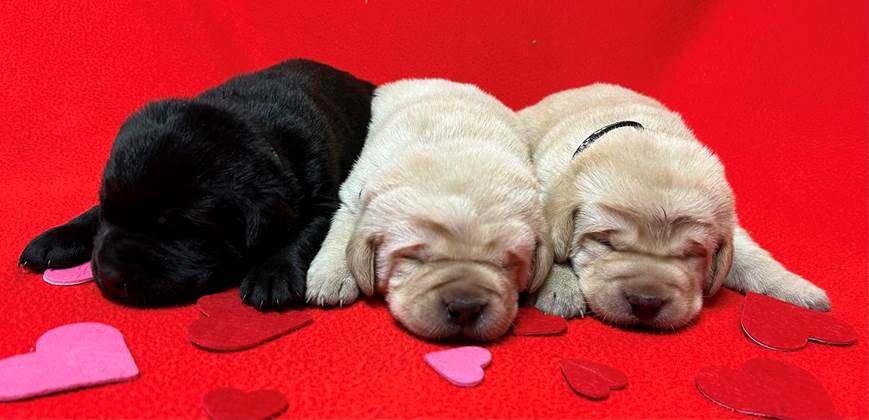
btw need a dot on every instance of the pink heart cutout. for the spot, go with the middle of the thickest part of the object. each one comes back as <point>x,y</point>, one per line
<point>779,325</point>
<point>68,357</point>
<point>768,388</point>
<point>461,366</point>
<point>592,380</point>
<point>69,276</point>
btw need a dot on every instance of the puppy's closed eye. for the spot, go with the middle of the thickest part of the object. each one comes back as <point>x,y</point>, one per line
<point>602,240</point>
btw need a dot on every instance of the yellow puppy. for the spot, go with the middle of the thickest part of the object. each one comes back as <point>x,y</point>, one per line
<point>441,214</point>
<point>643,213</point>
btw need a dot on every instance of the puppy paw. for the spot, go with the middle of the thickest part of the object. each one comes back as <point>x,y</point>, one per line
<point>561,294</point>
<point>331,284</point>
<point>60,247</point>
<point>799,291</point>
<point>273,286</point>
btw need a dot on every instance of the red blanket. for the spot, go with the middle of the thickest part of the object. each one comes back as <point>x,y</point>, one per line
<point>777,89</point>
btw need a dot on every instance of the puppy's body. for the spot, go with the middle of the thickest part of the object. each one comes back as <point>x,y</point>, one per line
<point>643,214</point>
<point>237,183</point>
<point>441,214</point>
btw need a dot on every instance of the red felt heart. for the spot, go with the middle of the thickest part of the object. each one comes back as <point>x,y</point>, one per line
<point>530,321</point>
<point>228,324</point>
<point>592,380</point>
<point>782,326</point>
<point>768,388</point>
<point>232,404</point>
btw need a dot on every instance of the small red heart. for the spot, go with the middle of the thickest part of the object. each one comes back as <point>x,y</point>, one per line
<point>768,388</point>
<point>228,324</point>
<point>592,380</point>
<point>531,321</point>
<point>782,326</point>
<point>232,404</point>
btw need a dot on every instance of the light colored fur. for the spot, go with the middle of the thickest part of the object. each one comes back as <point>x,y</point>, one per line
<point>658,196</point>
<point>442,196</point>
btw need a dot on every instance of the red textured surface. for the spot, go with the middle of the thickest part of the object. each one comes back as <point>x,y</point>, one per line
<point>777,89</point>
<point>532,321</point>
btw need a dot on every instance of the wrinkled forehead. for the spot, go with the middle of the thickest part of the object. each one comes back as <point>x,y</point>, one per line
<point>648,226</point>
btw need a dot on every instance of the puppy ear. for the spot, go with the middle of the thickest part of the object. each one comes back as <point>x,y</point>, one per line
<point>721,264</point>
<point>542,263</point>
<point>560,209</point>
<point>361,253</point>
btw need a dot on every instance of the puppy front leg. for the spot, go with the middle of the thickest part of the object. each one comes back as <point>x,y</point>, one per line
<point>63,246</point>
<point>279,280</point>
<point>329,279</point>
<point>755,270</point>
<point>560,293</point>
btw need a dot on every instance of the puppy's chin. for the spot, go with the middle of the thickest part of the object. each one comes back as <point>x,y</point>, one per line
<point>420,300</point>
<point>136,270</point>
<point>607,297</point>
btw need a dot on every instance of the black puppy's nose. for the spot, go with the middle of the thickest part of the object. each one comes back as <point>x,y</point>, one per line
<point>644,306</point>
<point>464,312</point>
<point>112,280</point>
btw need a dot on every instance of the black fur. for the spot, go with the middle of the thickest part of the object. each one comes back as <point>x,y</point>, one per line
<point>236,184</point>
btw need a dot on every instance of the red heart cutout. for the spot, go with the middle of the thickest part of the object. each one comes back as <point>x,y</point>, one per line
<point>232,404</point>
<point>531,321</point>
<point>592,380</point>
<point>230,325</point>
<point>782,326</point>
<point>768,388</point>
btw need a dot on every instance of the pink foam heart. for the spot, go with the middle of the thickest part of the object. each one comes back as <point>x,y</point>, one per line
<point>767,388</point>
<point>592,380</point>
<point>462,366</point>
<point>69,276</point>
<point>779,325</point>
<point>68,357</point>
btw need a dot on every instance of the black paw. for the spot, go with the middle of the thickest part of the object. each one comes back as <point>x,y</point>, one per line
<point>60,247</point>
<point>273,286</point>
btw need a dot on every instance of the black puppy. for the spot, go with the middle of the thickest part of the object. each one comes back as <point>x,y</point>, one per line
<point>237,183</point>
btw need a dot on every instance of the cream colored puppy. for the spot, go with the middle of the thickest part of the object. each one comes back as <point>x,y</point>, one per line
<point>643,213</point>
<point>441,214</point>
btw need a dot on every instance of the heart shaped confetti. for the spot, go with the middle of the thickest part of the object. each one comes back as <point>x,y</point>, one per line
<point>592,380</point>
<point>531,321</point>
<point>232,404</point>
<point>782,326</point>
<point>68,357</point>
<point>228,324</point>
<point>69,276</point>
<point>767,388</point>
<point>461,366</point>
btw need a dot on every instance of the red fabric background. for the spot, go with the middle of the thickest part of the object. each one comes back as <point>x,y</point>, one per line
<point>778,89</point>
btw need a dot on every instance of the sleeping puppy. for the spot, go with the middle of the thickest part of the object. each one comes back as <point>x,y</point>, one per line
<point>239,182</point>
<point>441,214</point>
<point>643,212</point>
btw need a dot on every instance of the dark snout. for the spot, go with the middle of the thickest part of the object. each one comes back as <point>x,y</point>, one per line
<point>135,269</point>
<point>464,304</point>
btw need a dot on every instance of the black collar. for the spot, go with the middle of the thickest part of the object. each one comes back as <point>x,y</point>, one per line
<point>606,129</point>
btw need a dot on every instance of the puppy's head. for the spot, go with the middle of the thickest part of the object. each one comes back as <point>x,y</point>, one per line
<point>187,194</point>
<point>647,221</point>
<point>446,270</point>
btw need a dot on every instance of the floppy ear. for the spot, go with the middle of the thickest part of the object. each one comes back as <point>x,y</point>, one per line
<point>560,208</point>
<point>721,263</point>
<point>361,252</point>
<point>542,263</point>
